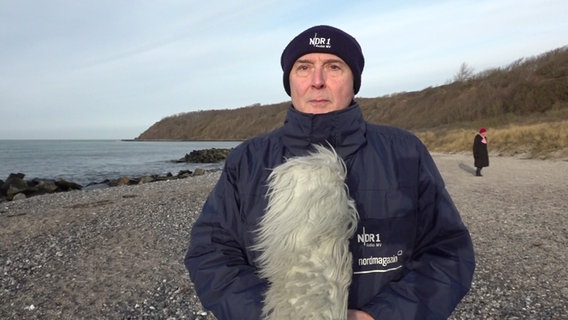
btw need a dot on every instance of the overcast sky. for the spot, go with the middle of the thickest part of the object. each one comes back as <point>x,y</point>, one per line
<point>109,69</point>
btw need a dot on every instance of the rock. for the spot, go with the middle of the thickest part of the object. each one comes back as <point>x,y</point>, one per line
<point>198,172</point>
<point>13,185</point>
<point>64,185</point>
<point>19,196</point>
<point>184,174</point>
<point>122,181</point>
<point>146,179</point>
<point>44,186</point>
<point>213,155</point>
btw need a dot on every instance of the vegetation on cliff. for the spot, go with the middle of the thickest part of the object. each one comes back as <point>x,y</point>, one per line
<point>524,105</point>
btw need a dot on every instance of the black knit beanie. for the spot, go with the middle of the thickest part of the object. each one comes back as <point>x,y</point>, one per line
<point>324,39</point>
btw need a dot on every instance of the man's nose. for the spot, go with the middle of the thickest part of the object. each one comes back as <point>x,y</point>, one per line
<point>318,78</point>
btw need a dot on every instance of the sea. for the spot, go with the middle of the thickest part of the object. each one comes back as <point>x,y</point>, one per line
<point>92,161</point>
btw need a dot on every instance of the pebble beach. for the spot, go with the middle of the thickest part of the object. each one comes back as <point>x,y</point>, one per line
<point>117,253</point>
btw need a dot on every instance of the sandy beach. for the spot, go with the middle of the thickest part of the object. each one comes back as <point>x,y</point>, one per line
<point>117,253</point>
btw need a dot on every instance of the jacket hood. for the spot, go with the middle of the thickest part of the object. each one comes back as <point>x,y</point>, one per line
<point>344,130</point>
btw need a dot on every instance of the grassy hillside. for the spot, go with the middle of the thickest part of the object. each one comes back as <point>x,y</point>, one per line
<point>524,106</point>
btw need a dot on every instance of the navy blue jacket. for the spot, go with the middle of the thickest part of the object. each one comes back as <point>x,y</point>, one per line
<point>412,255</point>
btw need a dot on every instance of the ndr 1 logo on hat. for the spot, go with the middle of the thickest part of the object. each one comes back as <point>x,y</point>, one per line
<point>320,42</point>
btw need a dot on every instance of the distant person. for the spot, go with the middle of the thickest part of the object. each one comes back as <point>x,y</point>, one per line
<point>480,154</point>
<point>329,216</point>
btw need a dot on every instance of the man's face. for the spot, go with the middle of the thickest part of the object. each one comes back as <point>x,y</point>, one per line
<point>320,83</point>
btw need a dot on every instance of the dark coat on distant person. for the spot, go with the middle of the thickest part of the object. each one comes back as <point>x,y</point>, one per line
<point>480,154</point>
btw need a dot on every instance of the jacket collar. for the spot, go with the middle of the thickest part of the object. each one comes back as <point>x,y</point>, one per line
<point>344,130</point>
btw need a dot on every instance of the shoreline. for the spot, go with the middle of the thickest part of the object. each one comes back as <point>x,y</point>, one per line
<point>179,140</point>
<point>17,187</point>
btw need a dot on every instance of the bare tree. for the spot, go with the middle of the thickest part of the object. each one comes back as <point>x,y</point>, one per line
<point>465,73</point>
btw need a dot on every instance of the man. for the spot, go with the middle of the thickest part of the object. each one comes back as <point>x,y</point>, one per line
<point>266,225</point>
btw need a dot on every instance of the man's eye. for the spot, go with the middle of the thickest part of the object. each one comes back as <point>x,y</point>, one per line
<point>302,70</point>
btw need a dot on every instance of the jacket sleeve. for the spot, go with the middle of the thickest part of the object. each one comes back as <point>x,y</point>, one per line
<point>440,270</point>
<point>476,142</point>
<point>223,278</point>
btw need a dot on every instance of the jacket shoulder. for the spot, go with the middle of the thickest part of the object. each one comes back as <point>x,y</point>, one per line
<point>254,148</point>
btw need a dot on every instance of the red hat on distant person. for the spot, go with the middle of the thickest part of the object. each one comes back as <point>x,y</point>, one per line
<point>482,130</point>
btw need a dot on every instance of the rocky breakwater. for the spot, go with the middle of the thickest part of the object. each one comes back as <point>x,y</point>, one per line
<point>16,186</point>
<point>212,155</point>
